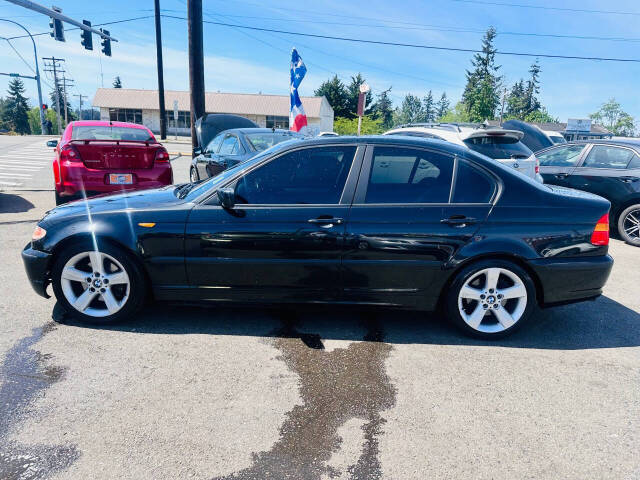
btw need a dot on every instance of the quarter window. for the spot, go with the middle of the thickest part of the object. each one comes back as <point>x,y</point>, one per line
<point>472,185</point>
<point>306,176</point>
<point>229,146</point>
<point>634,163</point>
<point>605,156</point>
<point>215,144</point>
<point>405,175</point>
<point>566,156</point>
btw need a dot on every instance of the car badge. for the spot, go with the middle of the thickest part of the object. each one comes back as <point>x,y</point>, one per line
<point>516,165</point>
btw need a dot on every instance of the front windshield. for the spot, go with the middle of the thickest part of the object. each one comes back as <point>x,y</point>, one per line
<point>499,147</point>
<point>262,141</point>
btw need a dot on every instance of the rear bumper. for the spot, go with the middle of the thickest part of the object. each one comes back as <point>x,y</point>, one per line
<point>36,263</point>
<point>570,280</point>
<point>77,177</point>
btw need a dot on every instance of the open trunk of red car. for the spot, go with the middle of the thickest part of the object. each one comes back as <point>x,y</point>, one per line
<point>100,154</point>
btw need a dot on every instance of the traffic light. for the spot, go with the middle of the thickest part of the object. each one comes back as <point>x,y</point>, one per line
<point>57,27</point>
<point>106,43</point>
<point>44,107</point>
<point>87,40</point>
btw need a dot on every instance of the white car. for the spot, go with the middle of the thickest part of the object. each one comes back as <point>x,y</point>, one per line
<point>494,142</point>
<point>555,137</point>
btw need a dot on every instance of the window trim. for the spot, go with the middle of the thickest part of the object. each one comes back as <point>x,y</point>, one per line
<point>586,153</point>
<point>346,198</point>
<point>359,199</point>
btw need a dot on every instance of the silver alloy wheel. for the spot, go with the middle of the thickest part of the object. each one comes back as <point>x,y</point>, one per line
<point>95,283</point>
<point>193,176</point>
<point>492,300</point>
<point>631,224</point>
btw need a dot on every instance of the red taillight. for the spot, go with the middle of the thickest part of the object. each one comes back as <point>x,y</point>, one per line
<point>162,155</point>
<point>537,166</point>
<point>600,235</point>
<point>68,153</point>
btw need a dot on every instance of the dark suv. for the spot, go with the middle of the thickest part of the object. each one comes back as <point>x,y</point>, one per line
<point>609,168</point>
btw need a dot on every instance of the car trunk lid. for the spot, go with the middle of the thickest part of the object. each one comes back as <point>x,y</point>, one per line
<point>115,154</point>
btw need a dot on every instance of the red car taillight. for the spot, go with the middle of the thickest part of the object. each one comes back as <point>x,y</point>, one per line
<point>600,235</point>
<point>68,153</point>
<point>162,155</point>
<point>537,166</point>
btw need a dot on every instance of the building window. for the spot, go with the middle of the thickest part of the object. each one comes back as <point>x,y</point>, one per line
<point>125,115</point>
<point>184,120</point>
<point>274,121</point>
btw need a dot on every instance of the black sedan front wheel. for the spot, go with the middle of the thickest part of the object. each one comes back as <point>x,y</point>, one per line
<point>97,285</point>
<point>629,225</point>
<point>193,175</point>
<point>490,298</point>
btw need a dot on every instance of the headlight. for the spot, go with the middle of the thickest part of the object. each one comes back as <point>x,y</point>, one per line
<point>38,233</point>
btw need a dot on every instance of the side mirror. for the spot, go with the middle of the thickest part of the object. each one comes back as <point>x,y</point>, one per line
<point>227,197</point>
<point>197,151</point>
<point>52,143</point>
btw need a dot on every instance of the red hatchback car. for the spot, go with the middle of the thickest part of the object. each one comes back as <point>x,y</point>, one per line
<point>101,157</point>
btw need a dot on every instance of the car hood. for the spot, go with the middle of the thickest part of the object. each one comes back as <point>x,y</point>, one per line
<point>155,199</point>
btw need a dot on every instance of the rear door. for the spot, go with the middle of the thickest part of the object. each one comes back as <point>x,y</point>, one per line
<point>604,172</point>
<point>557,163</point>
<point>404,225</point>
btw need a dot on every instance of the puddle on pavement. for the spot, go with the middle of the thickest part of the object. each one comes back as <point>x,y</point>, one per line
<point>335,386</point>
<point>25,374</point>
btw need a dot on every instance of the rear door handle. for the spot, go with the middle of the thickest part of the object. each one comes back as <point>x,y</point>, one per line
<point>326,222</point>
<point>459,221</point>
<point>561,176</point>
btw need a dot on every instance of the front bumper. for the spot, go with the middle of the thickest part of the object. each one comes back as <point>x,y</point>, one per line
<point>36,263</point>
<point>568,280</point>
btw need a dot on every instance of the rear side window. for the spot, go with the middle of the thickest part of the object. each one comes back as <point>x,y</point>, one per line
<point>472,185</point>
<point>405,175</point>
<point>566,156</point>
<point>215,144</point>
<point>605,156</point>
<point>230,146</point>
<point>498,147</point>
<point>95,132</point>
<point>634,163</point>
<point>306,176</point>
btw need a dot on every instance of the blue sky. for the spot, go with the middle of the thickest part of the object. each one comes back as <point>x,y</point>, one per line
<point>251,61</point>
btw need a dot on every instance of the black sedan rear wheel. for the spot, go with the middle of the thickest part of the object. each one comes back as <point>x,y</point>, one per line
<point>97,286</point>
<point>629,225</point>
<point>490,298</point>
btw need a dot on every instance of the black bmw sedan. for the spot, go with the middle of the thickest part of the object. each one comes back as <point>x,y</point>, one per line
<point>395,221</point>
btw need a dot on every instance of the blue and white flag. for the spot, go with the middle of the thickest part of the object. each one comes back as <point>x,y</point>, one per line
<point>297,117</point>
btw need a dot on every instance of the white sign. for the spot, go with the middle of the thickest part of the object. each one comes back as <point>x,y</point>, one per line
<point>175,110</point>
<point>579,125</point>
<point>364,88</point>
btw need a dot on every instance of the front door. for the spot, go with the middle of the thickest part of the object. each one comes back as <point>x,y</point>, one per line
<point>284,238</point>
<point>404,225</point>
<point>557,163</point>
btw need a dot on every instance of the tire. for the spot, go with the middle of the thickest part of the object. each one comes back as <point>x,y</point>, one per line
<point>122,281</point>
<point>59,199</point>
<point>629,225</point>
<point>193,175</point>
<point>477,290</point>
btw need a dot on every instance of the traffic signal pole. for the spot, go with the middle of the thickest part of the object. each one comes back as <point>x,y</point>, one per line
<point>196,65</point>
<point>35,56</point>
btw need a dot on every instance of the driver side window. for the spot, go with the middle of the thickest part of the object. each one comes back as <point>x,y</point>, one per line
<point>314,176</point>
<point>214,144</point>
<point>567,156</point>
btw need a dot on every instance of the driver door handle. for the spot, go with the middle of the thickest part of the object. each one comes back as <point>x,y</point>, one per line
<point>459,220</point>
<point>561,176</point>
<point>326,222</point>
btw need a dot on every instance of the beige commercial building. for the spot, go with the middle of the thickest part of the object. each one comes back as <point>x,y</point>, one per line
<point>141,106</point>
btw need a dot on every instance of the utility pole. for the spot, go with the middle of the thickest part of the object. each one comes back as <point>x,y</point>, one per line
<point>196,64</point>
<point>64,98</point>
<point>79,95</point>
<point>163,113</point>
<point>52,66</point>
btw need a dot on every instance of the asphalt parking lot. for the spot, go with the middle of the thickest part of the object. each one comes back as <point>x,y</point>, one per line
<point>247,393</point>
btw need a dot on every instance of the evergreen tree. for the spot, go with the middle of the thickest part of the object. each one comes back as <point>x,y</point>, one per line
<point>481,95</point>
<point>410,111</point>
<point>531,102</point>
<point>64,100</point>
<point>516,101</point>
<point>353,90</point>
<point>336,93</point>
<point>429,108</point>
<point>16,108</point>
<point>383,108</point>
<point>442,107</point>
<point>117,83</point>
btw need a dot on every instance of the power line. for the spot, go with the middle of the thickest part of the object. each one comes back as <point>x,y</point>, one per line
<point>414,45</point>
<point>76,28</point>
<point>541,7</point>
